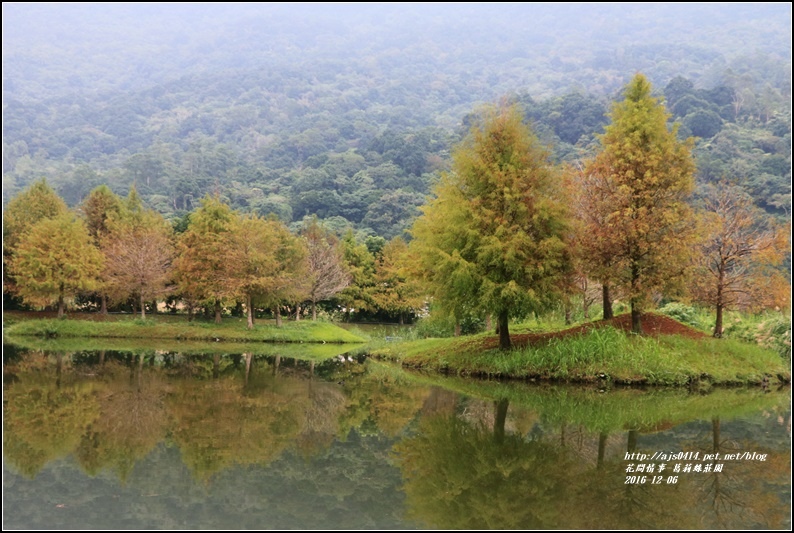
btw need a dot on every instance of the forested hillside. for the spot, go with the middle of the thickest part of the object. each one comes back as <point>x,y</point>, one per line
<point>348,112</point>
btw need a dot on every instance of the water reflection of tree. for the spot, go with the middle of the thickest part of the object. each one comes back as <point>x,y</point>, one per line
<point>45,415</point>
<point>132,421</point>
<point>740,493</point>
<point>459,475</point>
<point>325,404</point>
<point>222,422</point>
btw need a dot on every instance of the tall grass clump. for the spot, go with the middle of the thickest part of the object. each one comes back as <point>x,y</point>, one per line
<point>691,316</point>
<point>771,331</point>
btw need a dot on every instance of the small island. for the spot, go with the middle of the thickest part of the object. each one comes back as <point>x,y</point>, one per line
<point>602,353</point>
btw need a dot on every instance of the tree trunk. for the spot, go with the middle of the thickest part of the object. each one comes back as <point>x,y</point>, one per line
<point>277,312</point>
<point>488,322</point>
<point>720,306</point>
<point>190,314</point>
<point>61,305</point>
<point>314,310</point>
<point>718,323</point>
<point>402,320</point>
<point>636,323</point>
<point>143,307</point>
<point>457,327</point>
<point>504,334</point>
<point>248,358</point>
<point>217,311</point>
<point>607,302</point>
<point>602,445</point>
<point>500,416</point>
<point>250,309</point>
<point>567,313</point>
<point>297,312</point>
<point>103,307</point>
<point>631,442</point>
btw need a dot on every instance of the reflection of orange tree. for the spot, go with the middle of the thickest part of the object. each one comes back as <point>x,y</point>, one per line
<point>459,475</point>
<point>219,423</point>
<point>745,493</point>
<point>132,422</point>
<point>386,398</point>
<point>44,416</point>
<point>326,402</point>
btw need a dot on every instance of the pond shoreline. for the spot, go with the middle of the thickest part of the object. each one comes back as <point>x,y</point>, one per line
<point>229,331</point>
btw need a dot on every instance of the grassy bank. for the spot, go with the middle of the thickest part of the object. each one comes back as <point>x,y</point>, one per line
<point>586,357</point>
<point>228,331</point>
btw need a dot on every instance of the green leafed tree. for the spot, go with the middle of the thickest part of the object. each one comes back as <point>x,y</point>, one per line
<point>35,203</point>
<point>494,236</point>
<point>357,296</point>
<point>646,174</point>
<point>54,261</point>
<point>395,291</point>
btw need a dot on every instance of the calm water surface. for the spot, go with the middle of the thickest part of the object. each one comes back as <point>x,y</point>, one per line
<point>170,440</point>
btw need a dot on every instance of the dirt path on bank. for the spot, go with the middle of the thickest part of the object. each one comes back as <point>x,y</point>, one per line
<point>652,325</point>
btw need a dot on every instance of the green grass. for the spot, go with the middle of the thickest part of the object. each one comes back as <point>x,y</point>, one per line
<point>622,358</point>
<point>233,330</point>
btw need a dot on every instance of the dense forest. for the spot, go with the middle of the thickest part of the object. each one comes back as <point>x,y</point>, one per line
<point>348,112</point>
<point>346,116</point>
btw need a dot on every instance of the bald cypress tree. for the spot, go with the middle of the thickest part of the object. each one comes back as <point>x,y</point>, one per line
<point>646,174</point>
<point>494,236</point>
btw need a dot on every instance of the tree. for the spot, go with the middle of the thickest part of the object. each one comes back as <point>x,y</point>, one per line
<point>734,251</point>
<point>55,260</point>
<point>265,263</point>
<point>595,248</point>
<point>138,252</point>
<point>35,203</point>
<point>495,233</point>
<point>200,265</point>
<point>326,264</point>
<point>357,296</point>
<point>394,291</point>
<point>100,206</point>
<point>648,176</point>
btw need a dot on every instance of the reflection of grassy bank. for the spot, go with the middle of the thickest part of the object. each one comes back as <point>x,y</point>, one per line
<point>622,358</point>
<point>306,351</point>
<point>615,410</point>
<point>305,331</point>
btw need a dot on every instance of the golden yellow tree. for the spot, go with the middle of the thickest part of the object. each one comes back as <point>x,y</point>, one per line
<point>55,260</point>
<point>494,236</point>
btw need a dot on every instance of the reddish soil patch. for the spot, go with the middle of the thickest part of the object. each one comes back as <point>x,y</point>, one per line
<point>653,325</point>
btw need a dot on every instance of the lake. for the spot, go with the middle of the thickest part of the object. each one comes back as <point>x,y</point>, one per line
<point>152,439</point>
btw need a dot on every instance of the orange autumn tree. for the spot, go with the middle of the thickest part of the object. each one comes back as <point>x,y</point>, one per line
<point>738,256</point>
<point>646,176</point>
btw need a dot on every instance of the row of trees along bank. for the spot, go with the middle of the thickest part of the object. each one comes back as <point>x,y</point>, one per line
<point>506,234</point>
